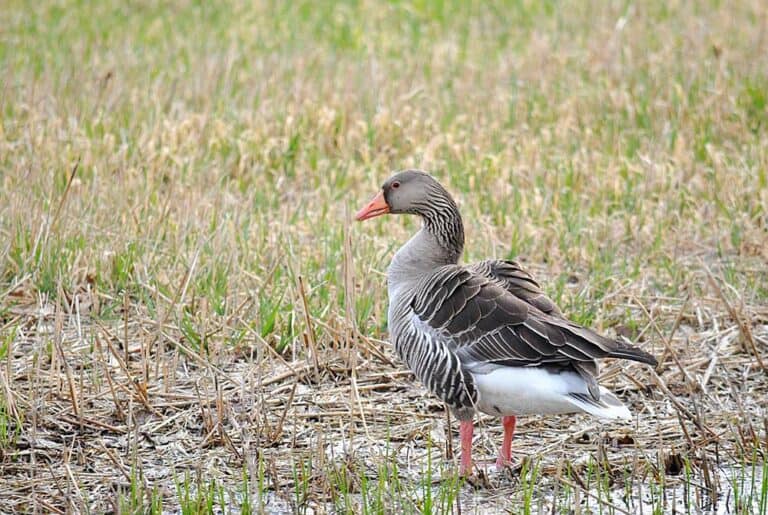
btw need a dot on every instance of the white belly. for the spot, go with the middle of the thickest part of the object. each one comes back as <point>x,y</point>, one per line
<point>527,391</point>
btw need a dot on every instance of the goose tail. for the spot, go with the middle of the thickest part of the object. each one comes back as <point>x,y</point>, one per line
<point>608,406</point>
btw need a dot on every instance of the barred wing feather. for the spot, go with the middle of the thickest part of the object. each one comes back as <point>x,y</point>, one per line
<point>487,323</point>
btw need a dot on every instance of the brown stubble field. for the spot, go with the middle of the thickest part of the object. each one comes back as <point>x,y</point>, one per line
<point>190,322</point>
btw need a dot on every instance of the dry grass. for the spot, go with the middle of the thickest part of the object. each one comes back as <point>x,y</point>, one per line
<point>188,315</point>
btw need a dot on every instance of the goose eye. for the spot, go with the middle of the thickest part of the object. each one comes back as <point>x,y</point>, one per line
<point>395,185</point>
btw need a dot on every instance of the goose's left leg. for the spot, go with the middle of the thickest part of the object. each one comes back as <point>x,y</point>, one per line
<point>505,453</point>
<point>466,427</point>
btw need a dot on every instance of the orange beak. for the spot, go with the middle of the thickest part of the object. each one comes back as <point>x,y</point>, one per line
<point>376,207</point>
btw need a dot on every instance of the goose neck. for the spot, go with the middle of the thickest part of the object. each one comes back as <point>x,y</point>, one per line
<point>421,255</point>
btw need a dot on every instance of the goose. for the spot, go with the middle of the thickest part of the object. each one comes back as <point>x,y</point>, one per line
<point>484,337</point>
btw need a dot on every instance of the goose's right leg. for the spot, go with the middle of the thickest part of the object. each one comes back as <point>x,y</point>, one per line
<point>505,453</point>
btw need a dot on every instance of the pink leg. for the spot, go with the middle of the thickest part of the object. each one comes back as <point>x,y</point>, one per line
<point>505,453</point>
<point>465,432</point>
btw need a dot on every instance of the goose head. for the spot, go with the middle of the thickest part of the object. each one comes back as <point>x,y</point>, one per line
<point>409,192</point>
<point>418,193</point>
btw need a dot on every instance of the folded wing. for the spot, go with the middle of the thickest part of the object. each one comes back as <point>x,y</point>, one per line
<point>517,281</point>
<point>487,322</point>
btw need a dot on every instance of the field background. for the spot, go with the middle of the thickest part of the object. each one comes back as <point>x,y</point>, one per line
<point>189,321</point>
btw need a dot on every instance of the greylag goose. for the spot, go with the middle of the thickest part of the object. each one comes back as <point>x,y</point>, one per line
<point>484,337</point>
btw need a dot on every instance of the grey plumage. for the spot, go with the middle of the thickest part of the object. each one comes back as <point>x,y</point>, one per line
<point>450,322</point>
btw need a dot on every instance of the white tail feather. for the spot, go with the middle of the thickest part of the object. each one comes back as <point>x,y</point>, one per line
<point>609,406</point>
